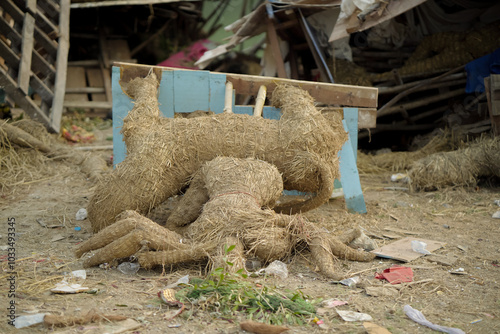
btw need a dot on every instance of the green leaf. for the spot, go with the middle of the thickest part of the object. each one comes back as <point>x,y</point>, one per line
<point>230,248</point>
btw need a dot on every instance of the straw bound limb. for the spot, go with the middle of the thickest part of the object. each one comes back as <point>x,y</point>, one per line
<point>458,168</point>
<point>236,213</point>
<point>164,153</point>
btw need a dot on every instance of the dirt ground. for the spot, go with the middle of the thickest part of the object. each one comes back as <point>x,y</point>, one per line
<point>47,232</point>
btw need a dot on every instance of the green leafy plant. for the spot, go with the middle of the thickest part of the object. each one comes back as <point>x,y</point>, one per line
<point>226,294</point>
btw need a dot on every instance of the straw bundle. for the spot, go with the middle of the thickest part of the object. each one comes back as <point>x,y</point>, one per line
<point>240,192</point>
<point>164,153</point>
<point>401,161</point>
<point>458,168</point>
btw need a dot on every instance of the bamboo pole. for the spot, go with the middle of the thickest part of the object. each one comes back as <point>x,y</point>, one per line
<point>259,101</point>
<point>228,100</point>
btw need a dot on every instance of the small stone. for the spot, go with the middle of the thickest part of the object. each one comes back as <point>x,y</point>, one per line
<point>496,215</point>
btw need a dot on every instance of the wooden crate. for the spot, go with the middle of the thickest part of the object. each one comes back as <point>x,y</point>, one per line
<point>34,44</point>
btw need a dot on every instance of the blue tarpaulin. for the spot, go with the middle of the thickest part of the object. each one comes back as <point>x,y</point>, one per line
<point>479,69</point>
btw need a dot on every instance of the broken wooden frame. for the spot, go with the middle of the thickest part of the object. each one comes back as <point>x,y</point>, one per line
<point>34,48</point>
<point>184,91</point>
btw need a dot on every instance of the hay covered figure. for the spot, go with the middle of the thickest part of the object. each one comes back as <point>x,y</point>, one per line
<point>163,153</point>
<point>231,199</point>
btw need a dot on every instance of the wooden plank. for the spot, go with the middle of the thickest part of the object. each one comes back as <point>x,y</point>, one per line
<point>367,117</point>
<point>217,88</point>
<point>166,97</point>
<point>88,104</point>
<point>9,86</point>
<point>40,65</point>
<point>61,65</point>
<point>46,24</point>
<point>275,48</point>
<point>349,177</point>
<point>10,8</point>
<point>122,104</point>
<point>394,8</point>
<point>9,56</point>
<point>76,79</point>
<point>495,120</point>
<point>191,90</point>
<point>85,90</point>
<point>495,94</point>
<point>9,32</point>
<point>95,79</point>
<point>42,89</point>
<point>50,8</point>
<point>23,78</point>
<point>49,45</point>
<point>327,93</point>
<point>118,3</point>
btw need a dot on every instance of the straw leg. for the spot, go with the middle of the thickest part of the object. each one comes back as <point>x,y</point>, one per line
<point>190,206</point>
<point>343,251</point>
<point>322,255</point>
<point>151,259</point>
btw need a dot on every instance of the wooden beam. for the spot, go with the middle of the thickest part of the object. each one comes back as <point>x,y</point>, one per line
<point>326,93</point>
<point>88,104</point>
<point>61,65</point>
<point>9,32</point>
<point>367,117</point>
<point>23,78</point>
<point>28,105</point>
<point>9,56</point>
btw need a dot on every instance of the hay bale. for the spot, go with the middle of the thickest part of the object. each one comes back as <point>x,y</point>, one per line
<point>458,168</point>
<point>164,153</point>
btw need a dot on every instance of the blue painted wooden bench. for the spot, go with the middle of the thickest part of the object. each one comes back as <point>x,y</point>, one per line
<point>183,91</point>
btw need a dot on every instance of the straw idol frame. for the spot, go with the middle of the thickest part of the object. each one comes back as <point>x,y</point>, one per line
<point>184,91</point>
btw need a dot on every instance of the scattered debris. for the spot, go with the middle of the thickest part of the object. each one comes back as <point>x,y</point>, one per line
<point>182,280</point>
<point>81,214</point>
<point>418,317</point>
<point>396,274</point>
<point>350,282</point>
<point>261,328</point>
<point>168,297</point>
<point>331,303</point>
<point>401,250</point>
<point>354,316</point>
<point>277,268</point>
<point>29,320</point>
<point>128,268</point>
<point>419,247</point>
<point>372,328</point>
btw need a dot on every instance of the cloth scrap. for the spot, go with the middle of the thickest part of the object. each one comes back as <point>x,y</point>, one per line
<point>418,317</point>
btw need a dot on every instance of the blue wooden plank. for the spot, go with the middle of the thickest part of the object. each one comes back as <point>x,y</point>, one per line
<point>217,85</point>
<point>349,177</point>
<point>166,97</point>
<point>122,104</point>
<point>191,90</point>
<point>351,118</point>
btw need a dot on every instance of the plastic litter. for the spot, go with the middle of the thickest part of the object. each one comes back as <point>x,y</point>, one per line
<point>496,215</point>
<point>81,214</point>
<point>419,318</point>
<point>419,247</point>
<point>29,320</point>
<point>331,303</point>
<point>354,316</point>
<point>399,177</point>
<point>82,273</point>
<point>497,202</point>
<point>350,282</point>
<point>182,280</point>
<point>64,287</point>
<point>128,268</point>
<point>277,268</point>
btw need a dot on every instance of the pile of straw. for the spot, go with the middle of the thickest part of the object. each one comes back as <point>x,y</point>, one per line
<point>164,153</point>
<point>460,168</point>
<point>232,199</point>
<point>401,161</point>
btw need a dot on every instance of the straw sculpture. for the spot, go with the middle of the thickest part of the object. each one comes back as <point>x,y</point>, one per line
<point>164,153</point>
<point>458,168</point>
<point>234,199</point>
